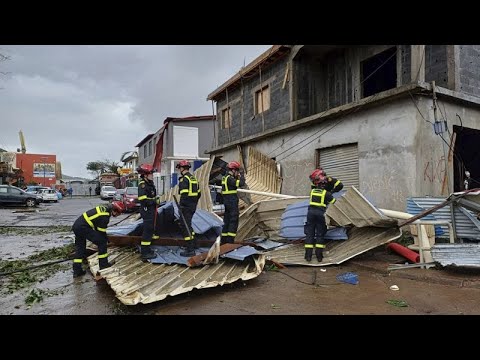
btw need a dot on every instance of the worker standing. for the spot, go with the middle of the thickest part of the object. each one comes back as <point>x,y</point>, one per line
<point>231,181</point>
<point>315,227</point>
<point>92,225</point>
<point>190,193</point>
<point>147,195</point>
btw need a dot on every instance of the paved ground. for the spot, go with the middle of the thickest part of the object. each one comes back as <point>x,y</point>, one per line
<point>295,290</point>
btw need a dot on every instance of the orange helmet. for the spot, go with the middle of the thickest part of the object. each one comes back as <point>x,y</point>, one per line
<point>118,206</point>
<point>145,169</point>
<point>317,176</point>
<point>233,165</point>
<point>183,163</point>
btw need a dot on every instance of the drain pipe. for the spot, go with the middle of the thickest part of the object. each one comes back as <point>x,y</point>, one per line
<point>422,234</point>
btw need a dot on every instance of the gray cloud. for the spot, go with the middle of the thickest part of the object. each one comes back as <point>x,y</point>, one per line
<point>87,103</point>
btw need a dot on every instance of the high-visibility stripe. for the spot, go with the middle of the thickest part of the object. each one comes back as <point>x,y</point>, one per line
<point>224,234</point>
<point>308,246</point>
<point>77,260</point>
<point>336,184</point>
<point>231,234</point>
<point>145,197</point>
<point>103,256</point>
<point>225,189</point>
<point>320,246</point>
<point>101,229</point>
<point>188,238</point>
<point>145,243</point>
<point>332,201</point>
<point>318,193</point>
<point>99,213</point>
<point>184,191</point>
<point>141,182</point>
<point>191,182</point>
<point>85,216</point>
<point>155,237</point>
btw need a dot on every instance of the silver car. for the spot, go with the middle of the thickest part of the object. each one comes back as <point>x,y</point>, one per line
<point>107,192</point>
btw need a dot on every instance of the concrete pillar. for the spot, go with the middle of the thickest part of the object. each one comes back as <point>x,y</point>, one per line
<point>453,61</point>
<point>417,72</point>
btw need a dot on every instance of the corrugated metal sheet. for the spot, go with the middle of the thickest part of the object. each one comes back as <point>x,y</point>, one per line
<point>262,174</point>
<point>467,255</point>
<point>137,282</point>
<point>262,219</point>
<point>342,163</point>
<point>354,209</point>
<point>466,224</point>
<point>203,175</point>
<point>359,241</point>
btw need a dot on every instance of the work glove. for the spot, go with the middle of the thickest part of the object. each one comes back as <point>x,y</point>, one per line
<point>157,200</point>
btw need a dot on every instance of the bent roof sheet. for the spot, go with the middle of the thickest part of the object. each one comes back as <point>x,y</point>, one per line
<point>134,281</point>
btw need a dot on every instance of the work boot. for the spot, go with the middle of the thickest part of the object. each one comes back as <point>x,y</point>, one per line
<point>103,263</point>
<point>223,240</point>
<point>308,254</point>
<point>319,254</point>
<point>147,253</point>
<point>189,251</point>
<point>77,270</point>
<point>195,244</point>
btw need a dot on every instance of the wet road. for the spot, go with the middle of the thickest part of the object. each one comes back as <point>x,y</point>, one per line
<point>271,293</point>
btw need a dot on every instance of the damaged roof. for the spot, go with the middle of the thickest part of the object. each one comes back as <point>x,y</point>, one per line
<point>134,281</point>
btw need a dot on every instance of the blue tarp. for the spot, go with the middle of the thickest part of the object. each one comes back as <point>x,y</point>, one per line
<point>293,221</point>
<point>205,224</point>
<point>171,255</point>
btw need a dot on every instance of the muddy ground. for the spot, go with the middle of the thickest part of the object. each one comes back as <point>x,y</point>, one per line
<point>291,291</point>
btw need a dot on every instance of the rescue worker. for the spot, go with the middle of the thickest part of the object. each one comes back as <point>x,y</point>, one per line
<point>315,227</point>
<point>92,225</point>
<point>190,193</point>
<point>147,195</point>
<point>333,185</point>
<point>231,181</point>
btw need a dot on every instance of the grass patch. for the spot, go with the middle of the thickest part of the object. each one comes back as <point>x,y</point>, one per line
<point>23,279</point>
<point>12,230</point>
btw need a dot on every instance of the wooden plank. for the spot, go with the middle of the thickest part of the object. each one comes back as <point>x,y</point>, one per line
<point>197,260</point>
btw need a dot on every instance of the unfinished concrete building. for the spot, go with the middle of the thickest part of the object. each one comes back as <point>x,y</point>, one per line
<point>392,120</point>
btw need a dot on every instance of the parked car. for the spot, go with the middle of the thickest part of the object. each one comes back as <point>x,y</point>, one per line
<point>12,195</point>
<point>107,192</point>
<point>47,195</point>
<point>130,199</point>
<point>34,189</point>
<point>119,195</point>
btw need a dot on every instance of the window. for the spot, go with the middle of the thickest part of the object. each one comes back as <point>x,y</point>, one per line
<point>145,150</point>
<point>379,72</point>
<point>262,100</point>
<point>150,148</point>
<point>227,118</point>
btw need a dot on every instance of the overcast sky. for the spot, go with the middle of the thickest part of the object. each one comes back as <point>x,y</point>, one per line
<point>88,103</point>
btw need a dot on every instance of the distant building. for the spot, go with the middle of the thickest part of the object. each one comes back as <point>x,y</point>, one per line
<point>38,168</point>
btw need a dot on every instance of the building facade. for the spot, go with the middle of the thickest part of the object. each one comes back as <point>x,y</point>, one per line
<point>37,168</point>
<point>186,138</point>
<point>392,120</point>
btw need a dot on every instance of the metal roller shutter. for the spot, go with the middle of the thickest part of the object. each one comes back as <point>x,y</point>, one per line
<point>341,162</point>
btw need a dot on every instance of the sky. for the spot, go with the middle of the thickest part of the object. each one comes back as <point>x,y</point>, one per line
<point>88,103</point>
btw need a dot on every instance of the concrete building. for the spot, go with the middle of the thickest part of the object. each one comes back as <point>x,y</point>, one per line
<point>186,138</point>
<point>38,168</point>
<point>383,118</point>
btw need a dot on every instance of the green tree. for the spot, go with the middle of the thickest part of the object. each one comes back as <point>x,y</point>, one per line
<point>96,168</point>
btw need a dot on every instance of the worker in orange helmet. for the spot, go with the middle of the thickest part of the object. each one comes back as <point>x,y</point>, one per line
<point>231,181</point>
<point>92,225</point>
<point>315,227</point>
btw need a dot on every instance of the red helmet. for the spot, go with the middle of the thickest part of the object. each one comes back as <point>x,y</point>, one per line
<point>233,165</point>
<point>317,176</point>
<point>145,169</point>
<point>118,206</point>
<point>323,173</point>
<point>183,163</point>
